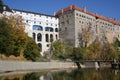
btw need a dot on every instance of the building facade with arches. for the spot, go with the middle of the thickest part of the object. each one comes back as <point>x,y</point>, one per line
<point>41,27</point>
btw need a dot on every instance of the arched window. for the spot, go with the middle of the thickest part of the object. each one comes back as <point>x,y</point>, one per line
<point>56,29</point>
<point>39,37</point>
<point>36,27</point>
<point>56,36</point>
<point>51,38</point>
<point>34,35</point>
<point>40,47</point>
<point>50,29</point>
<point>47,37</point>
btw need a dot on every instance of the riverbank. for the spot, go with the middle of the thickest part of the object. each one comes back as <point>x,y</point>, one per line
<point>27,66</point>
<point>6,66</point>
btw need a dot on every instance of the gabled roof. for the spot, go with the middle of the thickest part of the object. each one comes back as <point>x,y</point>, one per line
<point>73,7</point>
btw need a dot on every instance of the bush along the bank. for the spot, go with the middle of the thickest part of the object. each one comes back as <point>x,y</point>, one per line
<point>97,50</point>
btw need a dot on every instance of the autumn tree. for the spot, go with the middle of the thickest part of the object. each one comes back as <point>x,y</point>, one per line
<point>85,35</point>
<point>18,34</point>
<point>13,39</point>
<point>95,49</point>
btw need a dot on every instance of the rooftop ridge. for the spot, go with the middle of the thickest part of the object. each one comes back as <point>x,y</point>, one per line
<point>74,7</point>
<point>32,12</point>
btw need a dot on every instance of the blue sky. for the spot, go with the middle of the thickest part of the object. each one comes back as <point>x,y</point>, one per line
<point>108,8</point>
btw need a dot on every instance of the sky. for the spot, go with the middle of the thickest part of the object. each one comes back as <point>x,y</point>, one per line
<point>107,8</point>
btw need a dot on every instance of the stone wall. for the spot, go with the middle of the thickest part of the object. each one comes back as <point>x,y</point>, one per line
<point>15,65</point>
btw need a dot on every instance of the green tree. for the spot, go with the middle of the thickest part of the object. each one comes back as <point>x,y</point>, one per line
<point>110,52</point>
<point>79,54</point>
<point>116,44</point>
<point>31,51</point>
<point>59,49</point>
<point>6,39</point>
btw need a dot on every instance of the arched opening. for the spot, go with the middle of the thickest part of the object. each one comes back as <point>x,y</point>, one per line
<point>56,29</point>
<point>40,47</point>
<point>51,38</point>
<point>36,27</point>
<point>50,29</point>
<point>39,37</point>
<point>56,36</point>
<point>47,37</point>
<point>33,35</point>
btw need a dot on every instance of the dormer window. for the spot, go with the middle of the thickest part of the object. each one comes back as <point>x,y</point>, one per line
<point>4,8</point>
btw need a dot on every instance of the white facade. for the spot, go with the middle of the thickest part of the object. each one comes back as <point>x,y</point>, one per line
<point>42,28</point>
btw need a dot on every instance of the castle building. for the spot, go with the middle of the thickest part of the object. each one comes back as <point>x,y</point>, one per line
<point>73,21</point>
<point>41,27</point>
<point>69,24</point>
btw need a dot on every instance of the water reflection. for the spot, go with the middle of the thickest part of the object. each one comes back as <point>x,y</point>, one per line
<point>82,74</point>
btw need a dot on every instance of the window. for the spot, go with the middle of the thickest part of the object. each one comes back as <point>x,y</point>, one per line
<point>26,21</point>
<point>39,37</point>
<point>62,23</point>
<point>76,14</point>
<point>36,27</point>
<point>55,24</point>
<point>56,29</point>
<point>51,38</point>
<point>47,38</point>
<point>49,29</point>
<point>65,28</point>
<point>67,21</point>
<point>47,45</point>
<point>56,37</point>
<point>34,35</point>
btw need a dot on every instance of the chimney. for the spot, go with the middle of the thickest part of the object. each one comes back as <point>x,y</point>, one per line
<point>84,9</point>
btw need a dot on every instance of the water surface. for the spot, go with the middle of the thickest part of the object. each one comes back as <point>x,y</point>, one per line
<point>81,74</point>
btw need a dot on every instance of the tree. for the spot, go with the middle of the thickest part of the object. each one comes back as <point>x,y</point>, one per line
<point>1,6</point>
<point>95,49</point>
<point>79,54</point>
<point>59,49</point>
<point>31,51</point>
<point>14,41</point>
<point>6,39</point>
<point>85,36</point>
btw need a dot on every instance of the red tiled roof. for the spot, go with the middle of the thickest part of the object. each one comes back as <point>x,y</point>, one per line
<point>73,7</point>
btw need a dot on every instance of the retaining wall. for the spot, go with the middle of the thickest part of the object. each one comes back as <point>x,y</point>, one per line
<point>16,65</point>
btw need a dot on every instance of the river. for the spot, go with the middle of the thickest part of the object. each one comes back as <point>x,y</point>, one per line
<point>68,74</point>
